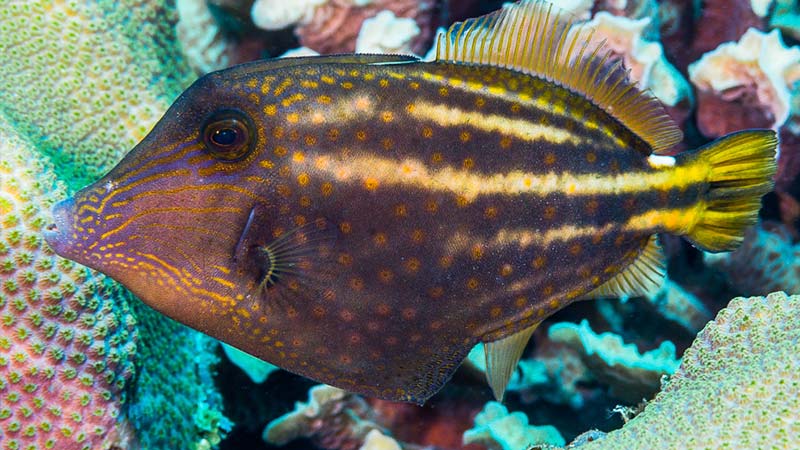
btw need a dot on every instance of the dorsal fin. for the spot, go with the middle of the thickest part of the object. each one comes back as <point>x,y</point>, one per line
<point>535,38</point>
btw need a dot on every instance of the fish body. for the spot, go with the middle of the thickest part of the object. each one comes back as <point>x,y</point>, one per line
<point>366,220</point>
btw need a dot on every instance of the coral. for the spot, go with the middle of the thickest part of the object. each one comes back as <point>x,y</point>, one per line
<point>375,440</point>
<point>256,369</point>
<point>67,335</point>
<point>680,306</point>
<point>630,375</point>
<point>204,44</point>
<point>496,429</point>
<point>332,26</point>
<point>735,388</point>
<point>723,21</point>
<point>386,33</point>
<point>767,261</point>
<point>332,418</point>
<point>747,82</point>
<point>87,80</point>
<point>174,402</point>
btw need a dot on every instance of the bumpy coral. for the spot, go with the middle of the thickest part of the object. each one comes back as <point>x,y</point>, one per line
<point>680,306</point>
<point>747,82</point>
<point>767,261</point>
<point>87,80</point>
<point>630,375</point>
<point>67,335</point>
<point>332,418</point>
<point>736,387</point>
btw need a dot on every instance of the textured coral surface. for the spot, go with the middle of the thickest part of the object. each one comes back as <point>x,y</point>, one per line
<point>736,387</point>
<point>67,336</point>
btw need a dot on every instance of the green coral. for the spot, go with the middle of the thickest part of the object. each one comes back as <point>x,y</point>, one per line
<point>87,79</point>
<point>735,388</point>
<point>67,335</point>
<point>497,429</point>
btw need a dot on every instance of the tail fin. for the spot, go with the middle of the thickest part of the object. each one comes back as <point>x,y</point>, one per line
<point>742,167</point>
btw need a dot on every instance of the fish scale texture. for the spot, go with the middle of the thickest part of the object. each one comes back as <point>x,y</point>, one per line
<point>87,79</point>
<point>736,387</point>
<point>67,335</point>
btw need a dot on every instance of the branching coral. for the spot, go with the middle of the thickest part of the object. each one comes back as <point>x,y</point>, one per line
<point>736,387</point>
<point>67,335</point>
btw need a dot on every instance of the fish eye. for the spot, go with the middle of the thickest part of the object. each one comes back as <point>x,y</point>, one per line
<point>228,135</point>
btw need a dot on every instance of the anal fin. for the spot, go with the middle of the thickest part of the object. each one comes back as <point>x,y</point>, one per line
<point>644,276</point>
<point>502,357</point>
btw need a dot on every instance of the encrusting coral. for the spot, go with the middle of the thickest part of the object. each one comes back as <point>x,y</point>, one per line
<point>67,335</point>
<point>497,429</point>
<point>736,386</point>
<point>84,82</point>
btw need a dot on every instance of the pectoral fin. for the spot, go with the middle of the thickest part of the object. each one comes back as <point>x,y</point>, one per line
<point>644,276</point>
<point>502,357</point>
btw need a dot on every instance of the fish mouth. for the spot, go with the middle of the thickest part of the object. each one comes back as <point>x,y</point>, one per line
<point>58,233</point>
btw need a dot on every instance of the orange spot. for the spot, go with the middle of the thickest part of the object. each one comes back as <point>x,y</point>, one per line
<point>384,82</point>
<point>347,85</point>
<point>387,143</point>
<point>280,151</point>
<point>495,312</point>
<point>436,292</point>
<point>303,179</point>
<point>333,134</point>
<point>345,227</point>
<point>277,132</point>
<point>490,212</point>
<point>554,303</point>
<point>410,108</point>
<point>323,99</point>
<point>311,140</point>
<point>326,189</point>
<point>505,142</point>
<point>575,249</point>
<point>445,261</point>
<point>436,157</point>
<point>468,163</point>
<point>383,309</point>
<point>591,157</point>
<point>413,265</point>
<point>293,117</point>
<point>380,239</point>
<point>506,270</point>
<point>472,283</point>
<point>477,251</point>
<point>413,85</point>
<point>461,201</point>
<point>357,284</point>
<point>427,131</point>
<point>550,159</point>
<point>479,102</point>
<point>515,108</point>
<point>549,212</point>
<point>400,210</point>
<point>591,206</point>
<point>387,116</point>
<point>361,135</point>
<point>345,259</point>
<point>548,290</point>
<point>443,91</point>
<point>298,157</point>
<point>371,184</point>
<point>436,324</point>
<point>520,302</point>
<point>305,201</point>
<point>386,275</point>
<point>270,110</point>
<point>409,313</point>
<point>597,238</point>
<point>431,206</point>
<point>417,235</point>
<point>539,262</point>
<point>318,311</point>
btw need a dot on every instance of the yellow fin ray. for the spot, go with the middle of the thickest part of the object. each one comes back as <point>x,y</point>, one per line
<point>533,37</point>
<point>741,167</point>
<point>502,357</point>
<point>644,276</point>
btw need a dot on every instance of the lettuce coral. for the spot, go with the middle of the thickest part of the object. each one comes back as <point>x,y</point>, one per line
<point>67,335</point>
<point>736,386</point>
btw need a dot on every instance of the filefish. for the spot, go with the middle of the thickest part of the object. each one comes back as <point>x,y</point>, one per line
<point>365,220</point>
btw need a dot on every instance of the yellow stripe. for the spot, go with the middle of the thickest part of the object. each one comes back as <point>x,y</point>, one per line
<point>678,221</point>
<point>469,185</point>
<point>447,116</point>
<point>136,217</point>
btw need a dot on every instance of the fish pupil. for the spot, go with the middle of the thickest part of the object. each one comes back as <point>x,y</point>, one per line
<point>225,137</point>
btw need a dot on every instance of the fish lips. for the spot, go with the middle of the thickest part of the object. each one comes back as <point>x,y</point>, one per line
<point>59,233</point>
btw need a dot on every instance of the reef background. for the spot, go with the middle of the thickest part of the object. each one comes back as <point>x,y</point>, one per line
<point>84,365</point>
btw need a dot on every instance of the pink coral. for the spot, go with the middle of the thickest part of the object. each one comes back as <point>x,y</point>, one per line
<point>67,337</point>
<point>335,25</point>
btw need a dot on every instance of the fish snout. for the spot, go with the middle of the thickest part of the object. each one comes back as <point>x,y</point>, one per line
<point>58,233</point>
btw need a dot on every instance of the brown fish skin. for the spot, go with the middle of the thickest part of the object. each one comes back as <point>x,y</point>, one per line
<point>365,220</point>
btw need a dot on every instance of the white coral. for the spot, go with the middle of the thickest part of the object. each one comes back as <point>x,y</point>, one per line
<point>759,59</point>
<point>277,14</point>
<point>386,33</point>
